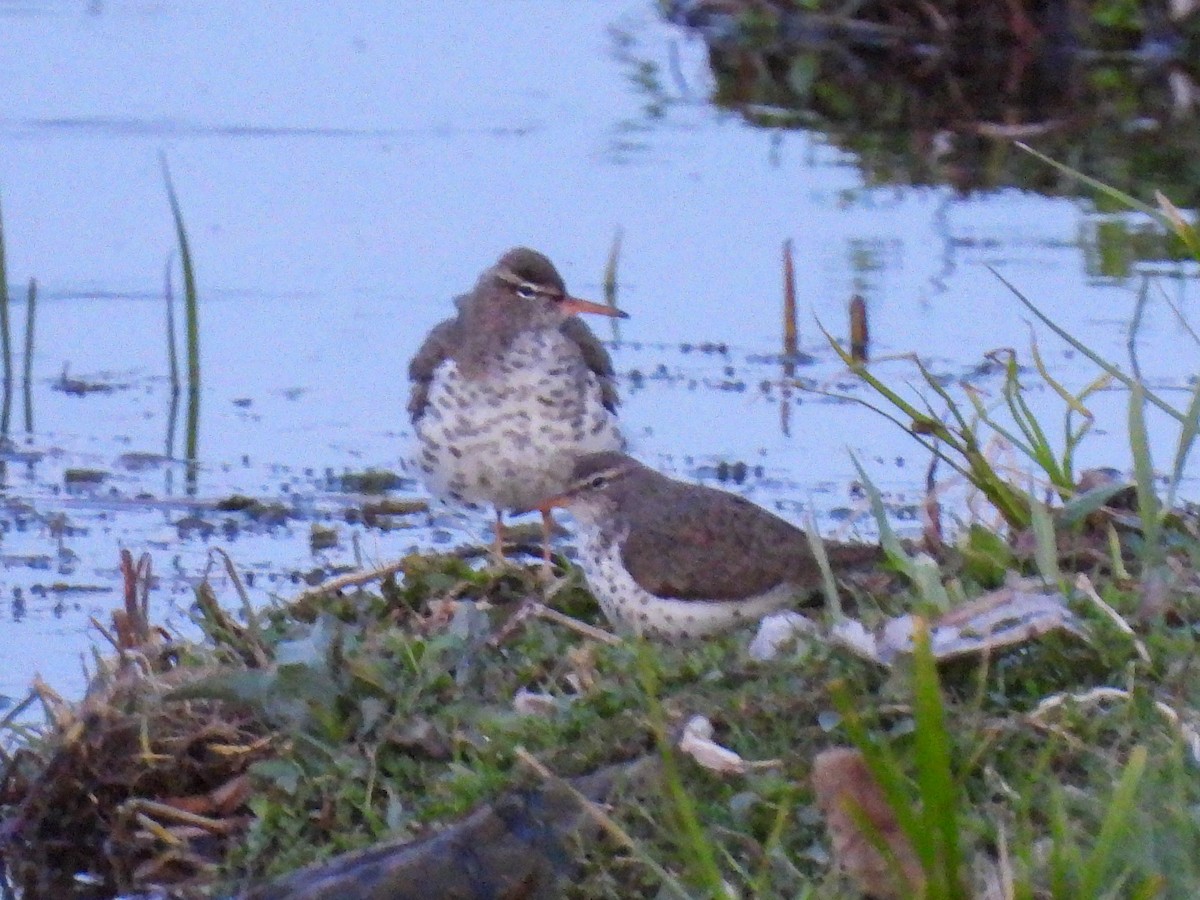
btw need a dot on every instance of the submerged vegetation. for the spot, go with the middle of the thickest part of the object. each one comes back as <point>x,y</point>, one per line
<point>482,720</point>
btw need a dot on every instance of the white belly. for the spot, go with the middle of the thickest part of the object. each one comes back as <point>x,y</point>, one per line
<point>630,607</point>
<point>509,439</point>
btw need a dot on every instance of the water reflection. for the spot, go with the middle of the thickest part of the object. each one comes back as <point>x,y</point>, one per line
<point>917,104</point>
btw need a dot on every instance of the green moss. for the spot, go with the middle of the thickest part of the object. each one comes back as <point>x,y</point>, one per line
<point>84,476</point>
<point>266,511</point>
<point>370,481</point>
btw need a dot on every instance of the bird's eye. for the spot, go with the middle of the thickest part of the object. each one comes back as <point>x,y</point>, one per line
<point>598,481</point>
<point>526,291</point>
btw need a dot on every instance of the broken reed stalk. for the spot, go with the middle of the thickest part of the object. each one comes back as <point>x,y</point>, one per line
<point>172,353</point>
<point>860,335</point>
<point>790,338</point>
<point>610,277</point>
<point>5,337</point>
<point>30,307</point>
<point>610,268</point>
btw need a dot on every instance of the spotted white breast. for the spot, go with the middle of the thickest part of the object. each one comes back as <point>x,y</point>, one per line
<point>509,436</point>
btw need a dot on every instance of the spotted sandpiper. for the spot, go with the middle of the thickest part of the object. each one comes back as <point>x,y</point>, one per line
<point>511,389</point>
<point>674,560</point>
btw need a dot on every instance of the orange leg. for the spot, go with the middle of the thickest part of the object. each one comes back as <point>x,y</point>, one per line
<point>498,545</point>
<point>547,528</point>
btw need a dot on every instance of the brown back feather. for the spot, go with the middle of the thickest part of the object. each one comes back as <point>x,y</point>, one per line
<point>707,544</point>
<point>595,357</point>
<point>438,346</point>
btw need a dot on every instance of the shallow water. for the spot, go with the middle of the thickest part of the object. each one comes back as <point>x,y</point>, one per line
<point>345,171</point>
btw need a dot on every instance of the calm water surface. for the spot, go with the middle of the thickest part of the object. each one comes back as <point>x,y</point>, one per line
<point>346,169</point>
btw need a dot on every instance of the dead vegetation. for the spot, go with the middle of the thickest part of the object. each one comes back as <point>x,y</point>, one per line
<point>129,787</point>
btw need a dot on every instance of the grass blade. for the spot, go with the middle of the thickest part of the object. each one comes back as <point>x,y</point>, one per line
<point>833,600</point>
<point>1045,549</point>
<point>1111,192</point>
<point>1187,438</point>
<point>1116,823</point>
<point>1074,402</point>
<point>936,384</point>
<point>935,775</point>
<point>1081,506</point>
<point>1066,859</point>
<point>885,769</point>
<point>189,282</point>
<point>887,537</point>
<point>1085,349</point>
<point>1143,473</point>
<point>984,415</point>
<point>1183,230</point>
<point>692,840</point>
<point>922,572</point>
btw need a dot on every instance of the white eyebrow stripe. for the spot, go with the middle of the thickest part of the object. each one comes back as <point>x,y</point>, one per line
<point>609,475</point>
<point>509,277</point>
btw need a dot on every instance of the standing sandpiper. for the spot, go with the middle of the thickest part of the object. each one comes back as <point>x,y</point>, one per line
<point>674,560</point>
<point>510,390</point>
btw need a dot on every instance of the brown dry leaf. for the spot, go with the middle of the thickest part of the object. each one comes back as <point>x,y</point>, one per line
<point>1171,212</point>
<point>842,783</point>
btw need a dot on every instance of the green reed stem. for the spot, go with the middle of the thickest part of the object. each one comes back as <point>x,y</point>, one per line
<point>190,302</point>
<point>192,318</point>
<point>172,352</point>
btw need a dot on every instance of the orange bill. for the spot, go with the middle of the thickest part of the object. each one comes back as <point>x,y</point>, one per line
<point>574,305</point>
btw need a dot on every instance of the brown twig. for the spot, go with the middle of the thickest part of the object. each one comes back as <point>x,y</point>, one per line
<point>351,579</point>
<point>790,337</point>
<point>860,334</point>
<point>542,611</point>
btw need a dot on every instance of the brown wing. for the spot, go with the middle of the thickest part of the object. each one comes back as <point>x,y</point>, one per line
<point>595,357</point>
<point>715,546</point>
<point>437,347</point>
